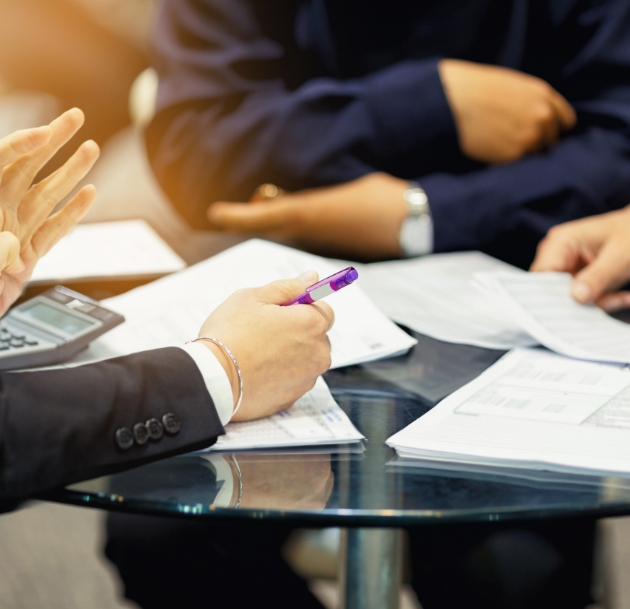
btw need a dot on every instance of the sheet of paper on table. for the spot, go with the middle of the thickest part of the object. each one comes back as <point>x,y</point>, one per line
<point>171,310</point>
<point>107,250</point>
<point>437,296</point>
<point>315,419</point>
<point>542,305</point>
<point>532,409</point>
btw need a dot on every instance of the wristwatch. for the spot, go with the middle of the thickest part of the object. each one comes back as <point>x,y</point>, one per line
<point>416,233</point>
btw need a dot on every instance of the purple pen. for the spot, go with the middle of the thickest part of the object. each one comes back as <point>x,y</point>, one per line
<point>325,287</point>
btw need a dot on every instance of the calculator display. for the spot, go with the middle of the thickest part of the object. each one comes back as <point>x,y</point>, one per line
<point>56,318</point>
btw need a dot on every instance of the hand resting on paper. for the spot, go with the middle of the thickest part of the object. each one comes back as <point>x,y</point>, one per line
<point>27,230</point>
<point>596,251</point>
<point>281,350</point>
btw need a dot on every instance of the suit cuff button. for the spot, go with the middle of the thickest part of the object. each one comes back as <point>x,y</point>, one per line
<point>141,433</point>
<point>155,429</point>
<point>171,424</point>
<point>124,438</point>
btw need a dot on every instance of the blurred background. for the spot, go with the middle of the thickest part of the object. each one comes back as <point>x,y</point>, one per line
<point>94,54</point>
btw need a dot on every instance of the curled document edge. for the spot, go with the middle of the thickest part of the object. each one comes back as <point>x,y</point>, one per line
<point>438,297</point>
<point>542,305</point>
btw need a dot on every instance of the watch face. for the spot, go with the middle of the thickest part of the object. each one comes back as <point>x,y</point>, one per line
<point>416,236</point>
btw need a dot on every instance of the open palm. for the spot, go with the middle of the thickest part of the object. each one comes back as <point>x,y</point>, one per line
<point>27,230</point>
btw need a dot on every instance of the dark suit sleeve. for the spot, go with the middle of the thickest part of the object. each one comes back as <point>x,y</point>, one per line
<point>240,104</point>
<point>59,426</point>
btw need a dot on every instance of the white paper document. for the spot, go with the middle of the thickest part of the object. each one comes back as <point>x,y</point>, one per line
<point>437,296</point>
<point>171,310</point>
<point>315,419</point>
<point>542,305</point>
<point>532,409</point>
<point>129,248</point>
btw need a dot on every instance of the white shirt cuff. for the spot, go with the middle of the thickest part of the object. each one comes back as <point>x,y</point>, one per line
<point>216,379</point>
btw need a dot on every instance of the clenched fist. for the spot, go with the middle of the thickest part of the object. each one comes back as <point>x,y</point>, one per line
<point>502,114</point>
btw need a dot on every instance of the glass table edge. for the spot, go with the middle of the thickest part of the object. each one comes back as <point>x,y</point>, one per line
<point>338,517</point>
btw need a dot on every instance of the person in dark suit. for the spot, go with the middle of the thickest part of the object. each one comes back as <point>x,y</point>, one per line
<point>512,116</point>
<point>62,426</point>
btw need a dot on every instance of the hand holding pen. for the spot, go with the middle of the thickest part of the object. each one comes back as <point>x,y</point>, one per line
<point>325,287</point>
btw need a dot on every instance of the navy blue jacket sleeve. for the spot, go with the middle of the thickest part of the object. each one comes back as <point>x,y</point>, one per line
<point>505,210</point>
<point>59,426</point>
<point>229,120</point>
<point>232,116</point>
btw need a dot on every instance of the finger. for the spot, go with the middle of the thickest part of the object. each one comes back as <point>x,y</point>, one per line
<point>326,310</point>
<point>43,197</point>
<point>281,291</point>
<point>550,134</point>
<point>609,270</point>
<point>557,252</point>
<point>18,177</point>
<point>563,110</point>
<point>10,261</point>
<point>309,277</point>
<point>263,217</point>
<point>22,142</point>
<point>61,223</point>
<point>615,302</point>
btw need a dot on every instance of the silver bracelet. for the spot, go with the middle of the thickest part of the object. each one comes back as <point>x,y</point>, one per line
<point>231,356</point>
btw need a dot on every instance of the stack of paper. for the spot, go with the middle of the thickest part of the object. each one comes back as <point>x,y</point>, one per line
<point>171,310</point>
<point>108,250</point>
<point>437,296</point>
<point>542,305</point>
<point>315,419</point>
<point>532,409</point>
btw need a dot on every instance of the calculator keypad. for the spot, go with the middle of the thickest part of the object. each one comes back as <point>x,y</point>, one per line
<point>15,339</point>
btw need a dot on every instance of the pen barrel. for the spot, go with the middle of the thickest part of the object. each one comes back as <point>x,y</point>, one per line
<point>301,299</point>
<point>325,287</point>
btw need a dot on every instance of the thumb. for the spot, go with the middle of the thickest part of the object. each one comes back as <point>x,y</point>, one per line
<point>284,290</point>
<point>10,261</point>
<point>609,270</point>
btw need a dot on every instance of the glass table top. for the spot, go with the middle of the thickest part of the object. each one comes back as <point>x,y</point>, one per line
<point>358,486</point>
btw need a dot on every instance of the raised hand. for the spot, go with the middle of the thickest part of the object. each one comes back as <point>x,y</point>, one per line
<point>25,207</point>
<point>502,114</point>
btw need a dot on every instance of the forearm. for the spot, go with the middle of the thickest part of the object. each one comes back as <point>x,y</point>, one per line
<point>60,426</point>
<point>240,108</point>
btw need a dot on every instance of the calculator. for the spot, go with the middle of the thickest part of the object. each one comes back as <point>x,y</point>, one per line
<point>51,328</point>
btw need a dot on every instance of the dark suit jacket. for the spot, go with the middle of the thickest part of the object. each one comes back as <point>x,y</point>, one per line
<point>59,426</point>
<point>305,93</point>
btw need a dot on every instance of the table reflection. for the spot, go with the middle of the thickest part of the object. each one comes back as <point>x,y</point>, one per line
<point>256,481</point>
